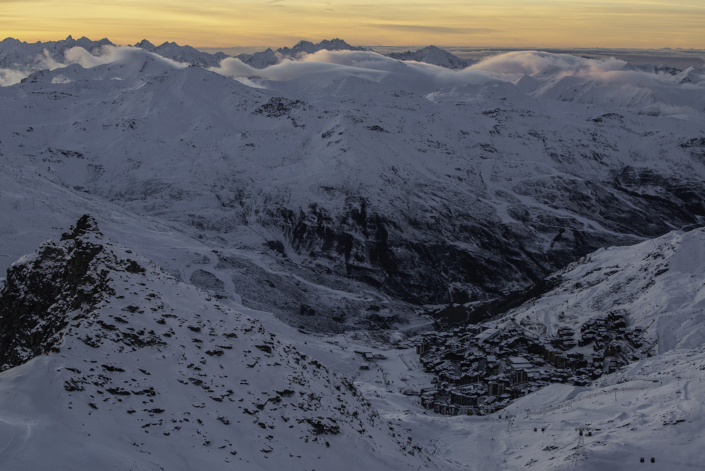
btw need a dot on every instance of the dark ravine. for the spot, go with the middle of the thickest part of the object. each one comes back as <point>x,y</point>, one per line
<point>421,264</point>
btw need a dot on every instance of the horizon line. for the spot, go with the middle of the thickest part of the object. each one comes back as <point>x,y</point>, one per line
<point>439,45</point>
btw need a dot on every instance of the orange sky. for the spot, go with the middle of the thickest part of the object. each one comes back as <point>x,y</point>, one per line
<point>502,23</point>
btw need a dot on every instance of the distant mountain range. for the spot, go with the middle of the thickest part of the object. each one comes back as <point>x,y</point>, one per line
<point>14,53</point>
<point>17,54</point>
<point>185,54</point>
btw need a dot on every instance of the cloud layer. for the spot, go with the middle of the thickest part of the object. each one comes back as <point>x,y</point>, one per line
<point>326,66</point>
<point>78,55</point>
<point>563,77</point>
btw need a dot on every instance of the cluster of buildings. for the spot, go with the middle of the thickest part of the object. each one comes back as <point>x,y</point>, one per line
<point>482,368</point>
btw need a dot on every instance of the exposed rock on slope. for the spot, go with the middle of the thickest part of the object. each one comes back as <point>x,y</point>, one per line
<point>162,376</point>
<point>45,291</point>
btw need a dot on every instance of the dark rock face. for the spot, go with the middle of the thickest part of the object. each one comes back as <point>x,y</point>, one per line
<point>461,315</point>
<point>277,107</point>
<point>45,291</point>
<point>677,201</point>
<point>464,257</point>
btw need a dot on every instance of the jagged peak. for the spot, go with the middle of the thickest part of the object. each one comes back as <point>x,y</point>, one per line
<point>338,43</point>
<point>61,281</point>
<point>309,47</point>
<point>85,224</point>
<point>302,43</point>
<point>144,44</point>
<point>431,55</point>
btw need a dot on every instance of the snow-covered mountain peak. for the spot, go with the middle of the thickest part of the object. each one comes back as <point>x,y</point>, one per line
<point>691,75</point>
<point>328,45</point>
<point>182,54</point>
<point>264,59</point>
<point>24,58</point>
<point>146,45</point>
<point>434,56</point>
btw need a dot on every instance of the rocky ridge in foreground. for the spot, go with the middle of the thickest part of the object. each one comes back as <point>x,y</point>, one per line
<point>153,373</point>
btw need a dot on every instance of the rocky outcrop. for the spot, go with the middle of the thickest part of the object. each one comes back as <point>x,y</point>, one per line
<point>47,290</point>
<point>157,363</point>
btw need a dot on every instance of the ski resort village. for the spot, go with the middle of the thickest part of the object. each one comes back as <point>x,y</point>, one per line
<point>481,369</point>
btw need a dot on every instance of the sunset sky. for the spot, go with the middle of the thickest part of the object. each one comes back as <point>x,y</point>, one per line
<point>502,23</point>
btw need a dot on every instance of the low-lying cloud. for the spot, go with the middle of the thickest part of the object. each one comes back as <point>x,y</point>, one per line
<point>327,65</point>
<point>80,56</point>
<point>543,65</point>
<point>10,77</point>
<point>534,62</point>
<point>609,81</point>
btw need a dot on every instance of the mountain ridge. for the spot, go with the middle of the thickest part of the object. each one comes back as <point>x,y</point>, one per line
<point>143,361</point>
<point>434,56</point>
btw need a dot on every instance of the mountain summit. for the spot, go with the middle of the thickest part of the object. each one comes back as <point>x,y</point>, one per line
<point>184,54</point>
<point>432,55</point>
<point>261,60</point>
